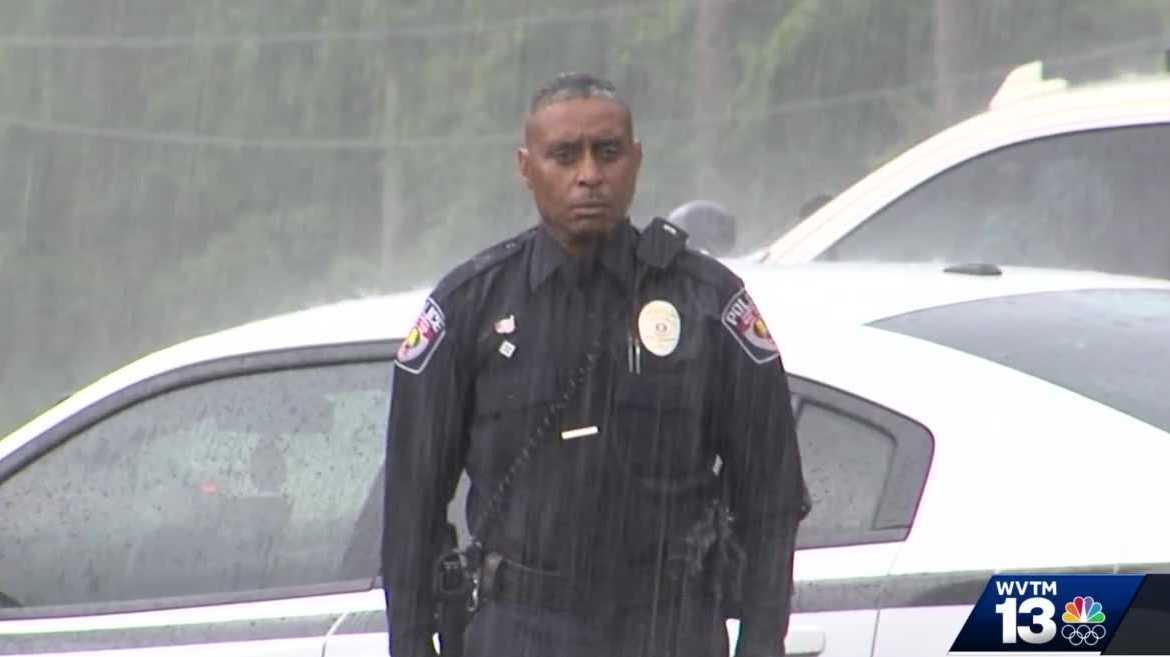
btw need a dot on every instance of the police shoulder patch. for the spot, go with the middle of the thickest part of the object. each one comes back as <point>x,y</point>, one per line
<point>742,317</point>
<point>424,338</point>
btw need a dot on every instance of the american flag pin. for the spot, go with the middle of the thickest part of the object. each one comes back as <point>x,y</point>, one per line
<point>506,325</point>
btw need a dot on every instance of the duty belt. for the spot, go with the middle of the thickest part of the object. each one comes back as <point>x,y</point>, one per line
<point>506,580</point>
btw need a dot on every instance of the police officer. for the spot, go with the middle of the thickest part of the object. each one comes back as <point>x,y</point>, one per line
<point>602,544</point>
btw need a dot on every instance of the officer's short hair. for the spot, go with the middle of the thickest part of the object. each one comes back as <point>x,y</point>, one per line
<point>571,86</point>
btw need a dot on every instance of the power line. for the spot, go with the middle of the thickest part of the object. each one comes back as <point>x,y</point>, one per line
<point>87,42</point>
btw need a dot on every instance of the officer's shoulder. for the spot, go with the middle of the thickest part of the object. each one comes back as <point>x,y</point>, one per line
<point>709,272</point>
<point>664,244</point>
<point>481,264</point>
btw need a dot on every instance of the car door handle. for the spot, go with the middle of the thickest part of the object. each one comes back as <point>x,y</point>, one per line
<point>804,641</point>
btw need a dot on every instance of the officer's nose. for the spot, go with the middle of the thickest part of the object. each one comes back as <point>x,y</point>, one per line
<point>588,172</point>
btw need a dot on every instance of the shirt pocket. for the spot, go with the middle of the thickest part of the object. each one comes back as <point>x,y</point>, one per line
<point>508,404</point>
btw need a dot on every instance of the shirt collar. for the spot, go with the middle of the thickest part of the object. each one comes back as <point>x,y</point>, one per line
<point>616,255</point>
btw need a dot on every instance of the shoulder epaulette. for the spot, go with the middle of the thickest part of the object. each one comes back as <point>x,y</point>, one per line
<point>660,243</point>
<point>482,262</point>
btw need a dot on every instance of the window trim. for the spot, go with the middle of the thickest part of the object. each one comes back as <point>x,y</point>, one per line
<point>379,351</point>
<point>909,467</point>
<point>189,375</point>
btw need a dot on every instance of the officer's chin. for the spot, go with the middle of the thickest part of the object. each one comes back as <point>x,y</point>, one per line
<point>582,233</point>
<point>592,226</point>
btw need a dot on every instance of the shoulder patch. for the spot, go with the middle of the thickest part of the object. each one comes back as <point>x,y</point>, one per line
<point>742,317</point>
<point>422,341</point>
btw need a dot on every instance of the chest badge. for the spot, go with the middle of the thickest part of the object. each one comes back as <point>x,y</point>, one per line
<point>506,325</point>
<point>659,327</point>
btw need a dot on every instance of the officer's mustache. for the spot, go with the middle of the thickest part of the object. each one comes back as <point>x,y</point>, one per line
<point>592,197</point>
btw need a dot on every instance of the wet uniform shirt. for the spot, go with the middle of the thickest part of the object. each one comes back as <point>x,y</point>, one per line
<point>688,376</point>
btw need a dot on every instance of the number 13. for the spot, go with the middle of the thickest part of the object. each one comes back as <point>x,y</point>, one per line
<point>1042,611</point>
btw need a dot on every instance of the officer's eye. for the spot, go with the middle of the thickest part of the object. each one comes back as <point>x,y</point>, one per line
<point>607,151</point>
<point>563,154</point>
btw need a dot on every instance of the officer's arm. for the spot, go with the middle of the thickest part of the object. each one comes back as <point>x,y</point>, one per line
<point>762,458</point>
<point>425,448</point>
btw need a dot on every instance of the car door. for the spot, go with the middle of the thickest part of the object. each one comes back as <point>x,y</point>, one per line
<point>214,504</point>
<point>865,467</point>
<point>363,632</point>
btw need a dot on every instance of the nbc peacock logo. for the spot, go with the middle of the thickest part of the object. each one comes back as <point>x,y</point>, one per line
<point>1083,617</point>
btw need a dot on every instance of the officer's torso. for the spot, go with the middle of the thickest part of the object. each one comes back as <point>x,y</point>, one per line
<point>630,458</point>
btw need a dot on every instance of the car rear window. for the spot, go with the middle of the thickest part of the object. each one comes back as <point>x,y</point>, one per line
<point>1110,345</point>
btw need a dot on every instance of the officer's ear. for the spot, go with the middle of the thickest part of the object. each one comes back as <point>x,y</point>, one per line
<point>522,163</point>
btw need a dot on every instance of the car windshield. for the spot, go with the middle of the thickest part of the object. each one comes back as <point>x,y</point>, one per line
<point>1112,346</point>
<point>1091,200</point>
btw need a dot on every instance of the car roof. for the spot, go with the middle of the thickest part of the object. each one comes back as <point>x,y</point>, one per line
<point>861,292</point>
<point>830,317</point>
<point>352,321</point>
<point>1109,345</point>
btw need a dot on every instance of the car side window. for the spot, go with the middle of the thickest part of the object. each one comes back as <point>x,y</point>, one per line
<point>865,467</point>
<point>1088,200</point>
<point>237,484</point>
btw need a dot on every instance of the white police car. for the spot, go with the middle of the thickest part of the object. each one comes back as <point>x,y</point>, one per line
<point>1052,175</point>
<point>959,424</point>
<point>223,496</point>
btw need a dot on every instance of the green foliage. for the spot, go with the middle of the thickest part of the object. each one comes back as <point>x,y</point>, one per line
<point>286,260</point>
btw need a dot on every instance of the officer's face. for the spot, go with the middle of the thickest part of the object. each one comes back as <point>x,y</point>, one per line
<point>581,162</point>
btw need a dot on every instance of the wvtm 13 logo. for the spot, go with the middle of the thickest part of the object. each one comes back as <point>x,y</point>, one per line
<point>1083,616</point>
<point>1039,614</point>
